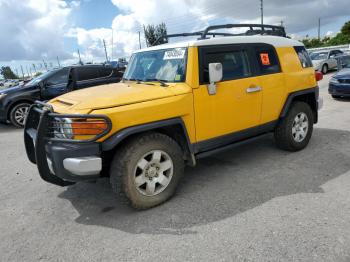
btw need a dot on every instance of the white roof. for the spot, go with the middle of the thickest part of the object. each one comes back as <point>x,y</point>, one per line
<point>275,41</point>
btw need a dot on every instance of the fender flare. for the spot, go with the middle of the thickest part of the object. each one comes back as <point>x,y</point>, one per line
<point>292,96</point>
<point>121,135</point>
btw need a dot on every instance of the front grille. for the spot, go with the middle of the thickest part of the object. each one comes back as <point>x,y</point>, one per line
<point>344,81</point>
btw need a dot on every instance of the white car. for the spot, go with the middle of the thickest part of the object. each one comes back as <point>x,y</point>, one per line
<point>325,60</point>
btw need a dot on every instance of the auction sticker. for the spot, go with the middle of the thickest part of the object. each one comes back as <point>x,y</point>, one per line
<point>178,53</point>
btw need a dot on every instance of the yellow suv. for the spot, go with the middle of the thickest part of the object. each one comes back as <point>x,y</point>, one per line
<point>177,102</point>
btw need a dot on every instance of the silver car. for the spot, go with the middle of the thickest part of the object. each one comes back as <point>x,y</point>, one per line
<point>325,60</point>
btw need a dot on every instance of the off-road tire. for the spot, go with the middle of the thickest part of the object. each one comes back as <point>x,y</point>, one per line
<point>126,159</point>
<point>324,69</point>
<point>13,112</point>
<point>283,132</point>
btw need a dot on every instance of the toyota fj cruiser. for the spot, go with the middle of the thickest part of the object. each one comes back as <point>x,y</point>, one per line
<point>177,102</point>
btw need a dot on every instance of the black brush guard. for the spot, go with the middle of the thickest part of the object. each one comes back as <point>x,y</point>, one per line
<point>37,136</point>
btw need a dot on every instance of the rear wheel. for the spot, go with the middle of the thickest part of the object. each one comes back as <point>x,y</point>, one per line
<point>147,170</point>
<point>325,69</point>
<point>18,114</point>
<point>293,133</point>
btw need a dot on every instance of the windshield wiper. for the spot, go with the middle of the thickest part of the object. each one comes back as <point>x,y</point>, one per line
<point>162,82</point>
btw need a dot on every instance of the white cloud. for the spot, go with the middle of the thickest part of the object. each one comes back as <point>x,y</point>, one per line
<point>33,29</point>
<point>36,28</point>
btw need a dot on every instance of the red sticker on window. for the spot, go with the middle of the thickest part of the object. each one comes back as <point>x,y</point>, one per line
<point>265,60</point>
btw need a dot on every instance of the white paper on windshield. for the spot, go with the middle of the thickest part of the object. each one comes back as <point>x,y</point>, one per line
<point>174,54</point>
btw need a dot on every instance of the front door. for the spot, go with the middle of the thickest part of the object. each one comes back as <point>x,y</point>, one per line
<point>237,104</point>
<point>55,85</point>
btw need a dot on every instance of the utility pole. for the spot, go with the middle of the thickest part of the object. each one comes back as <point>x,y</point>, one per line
<point>80,62</point>
<point>319,29</point>
<point>262,11</point>
<point>22,72</point>
<point>104,43</point>
<point>45,64</point>
<point>58,62</point>
<point>112,46</point>
<point>140,39</point>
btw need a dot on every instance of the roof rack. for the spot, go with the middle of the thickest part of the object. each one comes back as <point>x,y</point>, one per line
<point>253,29</point>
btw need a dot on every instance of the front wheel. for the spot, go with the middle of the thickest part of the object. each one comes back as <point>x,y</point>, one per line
<point>294,131</point>
<point>147,170</point>
<point>18,114</point>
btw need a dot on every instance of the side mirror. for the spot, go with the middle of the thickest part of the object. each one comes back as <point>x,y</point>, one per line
<point>42,84</point>
<point>215,75</point>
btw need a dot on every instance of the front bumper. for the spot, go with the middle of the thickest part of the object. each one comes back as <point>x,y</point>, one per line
<point>60,161</point>
<point>339,89</point>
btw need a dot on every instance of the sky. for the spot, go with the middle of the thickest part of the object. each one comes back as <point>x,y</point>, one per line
<point>34,31</point>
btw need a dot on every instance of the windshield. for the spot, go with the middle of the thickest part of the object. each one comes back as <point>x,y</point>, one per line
<point>319,56</point>
<point>166,65</point>
<point>38,79</point>
<point>345,61</point>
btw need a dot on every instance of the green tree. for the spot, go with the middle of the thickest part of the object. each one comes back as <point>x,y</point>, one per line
<point>38,74</point>
<point>341,38</point>
<point>345,30</point>
<point>7,73</point>
<point>155,35</point>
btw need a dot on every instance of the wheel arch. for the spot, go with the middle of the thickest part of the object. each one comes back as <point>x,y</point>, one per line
<point>174,128</point>
<point>15,103</point>
<point>309,96</point>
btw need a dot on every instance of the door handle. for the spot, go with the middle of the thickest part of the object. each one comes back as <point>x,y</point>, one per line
<point>254,89</point>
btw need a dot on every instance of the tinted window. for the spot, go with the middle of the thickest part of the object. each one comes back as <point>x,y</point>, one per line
<point>61,77</point>
<point>235,64</point>
<point>267,60</point>
<point>303,56</point>
<point>105,72</point>
<point>88,73</point>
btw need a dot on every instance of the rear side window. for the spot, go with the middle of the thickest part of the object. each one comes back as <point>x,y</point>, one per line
<point>267,60</point>
<point>235,64</point>
<point>303,56</point>
<point>106,72</point>
<point>88,73</point>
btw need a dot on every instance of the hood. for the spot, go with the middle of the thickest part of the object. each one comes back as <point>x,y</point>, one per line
<point>118,94</point>
<point>15,89</point>
<point>344,73</point>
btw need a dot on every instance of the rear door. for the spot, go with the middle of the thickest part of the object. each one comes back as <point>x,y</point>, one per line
<point>87,76</point>
<point>269,73</point>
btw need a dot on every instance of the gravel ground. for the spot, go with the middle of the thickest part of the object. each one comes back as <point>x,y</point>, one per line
<point>253,203</point>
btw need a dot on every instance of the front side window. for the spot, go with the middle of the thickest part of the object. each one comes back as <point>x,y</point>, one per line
<point>267,60</point>
<point>167,65</point>
<point>319,56</point>
<point>303,56</point>
<point>235,64</point>
<point>60,78</point>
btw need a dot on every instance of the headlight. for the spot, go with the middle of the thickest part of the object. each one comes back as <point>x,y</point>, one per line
<point>64,128</point>
<point>334,81</point>
<point>79,129</point>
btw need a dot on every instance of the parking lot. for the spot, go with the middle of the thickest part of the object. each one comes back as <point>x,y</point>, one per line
<point>252,203</point>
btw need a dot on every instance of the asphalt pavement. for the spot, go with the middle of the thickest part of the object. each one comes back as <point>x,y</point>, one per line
<point>252,203</point>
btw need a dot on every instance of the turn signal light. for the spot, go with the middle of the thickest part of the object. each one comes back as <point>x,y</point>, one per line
<point>86,127</point>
